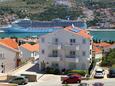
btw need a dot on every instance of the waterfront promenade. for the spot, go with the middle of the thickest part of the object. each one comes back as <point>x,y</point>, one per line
<point>101,29</point>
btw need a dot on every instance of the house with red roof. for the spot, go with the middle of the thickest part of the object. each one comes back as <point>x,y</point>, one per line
<point>107,49</point>
<point>69,48</point>
<point>97,53</point>
<point>102,45</point>
<point>29,51</point>
<point>9,55</point>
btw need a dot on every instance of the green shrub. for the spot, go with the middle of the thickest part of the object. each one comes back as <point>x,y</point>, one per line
<point>52,70</point>
<point>113,66</point>
<point>81,72</point>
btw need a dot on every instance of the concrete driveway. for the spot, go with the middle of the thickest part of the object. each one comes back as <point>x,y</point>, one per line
<point>54,80</point>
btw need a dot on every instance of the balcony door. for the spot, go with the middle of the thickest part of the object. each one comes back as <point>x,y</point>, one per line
<point>72,54</point>
<point>55,53</point>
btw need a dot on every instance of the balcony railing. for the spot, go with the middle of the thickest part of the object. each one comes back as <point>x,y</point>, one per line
<point>71,45</point>
<point>55,45</point>
<point>63,45</point>
<point>71,56</point>
<point>54,57</point>
<point>72,59</point>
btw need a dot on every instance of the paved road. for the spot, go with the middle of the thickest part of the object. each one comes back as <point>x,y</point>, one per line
<point>54,80</point>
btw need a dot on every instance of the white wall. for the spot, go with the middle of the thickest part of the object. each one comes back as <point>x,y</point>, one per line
<point>98,56</point>
<point>64,38</point>
<point>10,58</point>
<point>26,55</point>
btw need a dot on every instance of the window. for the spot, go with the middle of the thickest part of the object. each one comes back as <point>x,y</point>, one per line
<point>83,53</point>
<point>1,55</point>
<point>56,40</point>
<point>90,51</point>
<point>90,42</point>
<point>84,41</point>
<point>72,41</point>
<point>2,65</point>
<point>43,40</point>
<point>72,54</point>
<point>43,51</point>
<point>55,53</point>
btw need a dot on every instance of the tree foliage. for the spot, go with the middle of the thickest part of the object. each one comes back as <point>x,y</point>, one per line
<point>109,60</point>
<point>58,11</point>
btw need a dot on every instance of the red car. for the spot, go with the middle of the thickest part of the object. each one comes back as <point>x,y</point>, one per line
<point>73,78</point>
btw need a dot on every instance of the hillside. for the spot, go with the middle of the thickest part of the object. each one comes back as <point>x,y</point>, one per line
<point>32,6</point>
<point>38,9</point>
<point>43,9</point>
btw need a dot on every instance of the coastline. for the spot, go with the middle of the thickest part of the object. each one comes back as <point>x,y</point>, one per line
<point>2,31</point>
<point>101,29</point>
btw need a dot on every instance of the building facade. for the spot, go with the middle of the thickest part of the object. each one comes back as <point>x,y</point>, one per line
<point>70,48</point>
<point>29,51</point>
<point>9,55</point>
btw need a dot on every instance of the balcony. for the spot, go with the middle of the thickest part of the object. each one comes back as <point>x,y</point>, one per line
<point>55,45</point>
<point>72,59</point>
<point>53,58</point>
<point>71,46</point>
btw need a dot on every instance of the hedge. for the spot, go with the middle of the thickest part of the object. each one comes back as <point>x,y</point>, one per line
<point>81,72</point>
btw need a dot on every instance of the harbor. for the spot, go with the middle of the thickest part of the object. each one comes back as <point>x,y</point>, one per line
<point>97,35</point>
<point>26,28</point>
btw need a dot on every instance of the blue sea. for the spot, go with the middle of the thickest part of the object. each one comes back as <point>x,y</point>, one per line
<point>97,35</point>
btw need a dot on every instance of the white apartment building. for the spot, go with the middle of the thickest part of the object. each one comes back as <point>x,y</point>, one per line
<point>69,48</point>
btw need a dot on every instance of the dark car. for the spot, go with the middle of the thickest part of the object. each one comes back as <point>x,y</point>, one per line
<point>83,84</point>
<point>74,78</point>
<point>98,84</point>
<point>20,80</point>
<point>112,72</point>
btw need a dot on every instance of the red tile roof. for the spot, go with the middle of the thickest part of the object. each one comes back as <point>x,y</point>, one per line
<point>36,47</point>
<point>81,32</point>
<point>97,50</point>
<point>16,50</point>
<point>102,44</point>
<point>30,47</point>
<point>9,43</point>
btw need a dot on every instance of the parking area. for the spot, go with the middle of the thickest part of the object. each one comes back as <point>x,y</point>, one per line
<point>54,80</point>
<point>48,80</point>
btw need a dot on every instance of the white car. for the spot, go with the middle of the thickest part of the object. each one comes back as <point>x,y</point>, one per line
<point>99,73</point>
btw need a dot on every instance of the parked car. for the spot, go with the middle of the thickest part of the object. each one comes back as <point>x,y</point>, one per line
<point>112,72</point>
<point>98,84</point>
<point>20,80</point>
<point>83,84</point>
<point>73,78</point>
<point>99,73</point>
